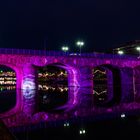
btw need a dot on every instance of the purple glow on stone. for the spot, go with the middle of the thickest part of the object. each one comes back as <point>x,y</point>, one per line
<point>25,74</point>
<point>29,83</point>
<point>29,93</point>
<point>76,89</point>
<point>29,101</point>
<point>75,78</point>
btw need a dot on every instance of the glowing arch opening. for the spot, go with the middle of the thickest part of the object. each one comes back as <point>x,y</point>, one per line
<point>53,86</point>
<point>108,78</point>
<point>7,88</point>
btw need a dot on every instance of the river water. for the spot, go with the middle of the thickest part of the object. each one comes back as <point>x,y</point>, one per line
<point>49,98</point>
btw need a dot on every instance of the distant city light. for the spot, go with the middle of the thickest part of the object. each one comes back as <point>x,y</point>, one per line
<point>66,124</point>
<point>82,131</point>
<point>120,52</point>
<point>122,115</point>
<point>74,54</point>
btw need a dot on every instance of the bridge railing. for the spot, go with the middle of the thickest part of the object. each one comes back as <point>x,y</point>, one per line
<point>109,56</point>
<point>61,53</point>
<point>31,52</point>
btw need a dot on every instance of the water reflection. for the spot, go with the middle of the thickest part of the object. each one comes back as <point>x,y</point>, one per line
<point>54,103</point>
<point>54,100</point>
<point>7,98</point>
<point>52,97</point>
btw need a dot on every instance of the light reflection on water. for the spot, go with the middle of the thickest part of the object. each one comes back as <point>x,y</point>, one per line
<point>57,103</point>
<point>50,98</point>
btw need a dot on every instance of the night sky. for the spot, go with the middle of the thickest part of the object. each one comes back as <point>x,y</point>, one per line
<point>102,24</point>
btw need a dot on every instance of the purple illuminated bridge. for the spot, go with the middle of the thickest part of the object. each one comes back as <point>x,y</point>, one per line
<point>121,70</point>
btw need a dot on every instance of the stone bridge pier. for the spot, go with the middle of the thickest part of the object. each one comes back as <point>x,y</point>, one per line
<point>120,85</point>
<point>80,77</point>
<point>136,84</point>
<point>127,85</point>
<point>29,89</point>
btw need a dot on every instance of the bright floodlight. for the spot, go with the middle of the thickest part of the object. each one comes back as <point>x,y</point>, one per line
<point>120,52</point>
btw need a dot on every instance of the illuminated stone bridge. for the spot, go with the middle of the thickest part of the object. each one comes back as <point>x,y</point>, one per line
<point>121,70</point>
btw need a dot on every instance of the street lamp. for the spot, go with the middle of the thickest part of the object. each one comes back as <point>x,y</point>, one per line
<point>65,48</point>
<point>80,44</point>
<point>120,52</point>
<point>138,49</point>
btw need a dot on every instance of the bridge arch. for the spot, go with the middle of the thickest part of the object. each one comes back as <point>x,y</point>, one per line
<point>71,70</point>
<point>120,83</point>
<point>18,75</point>
<point>72,73</point>
<point>112,83</point>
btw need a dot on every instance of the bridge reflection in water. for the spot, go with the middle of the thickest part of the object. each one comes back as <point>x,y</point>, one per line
<point>57,103</point>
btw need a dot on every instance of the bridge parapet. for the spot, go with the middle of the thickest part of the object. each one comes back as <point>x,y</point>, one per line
<point>60,53</point>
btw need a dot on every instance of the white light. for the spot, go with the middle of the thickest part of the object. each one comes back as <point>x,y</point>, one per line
<point>80,43</point>
<point>122,115</point>
<point>65,48</point>
<point>138,48</point>
<point>120,52</point>
<point>66,124</point>
<point>84,131</point>
<point>81,132</point>
<point>73,54</point>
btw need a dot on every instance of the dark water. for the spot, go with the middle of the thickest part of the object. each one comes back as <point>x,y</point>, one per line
<point>48,99</point>
<point>77,128</point>
<point>52,98</point>
<point>7,100</point>
<point>104,129</point>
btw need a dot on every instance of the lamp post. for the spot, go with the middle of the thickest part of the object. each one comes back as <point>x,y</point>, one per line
<point>138,49</point>
<point>65,48</point>
<point>80,44</point>
<point>120,52</point>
